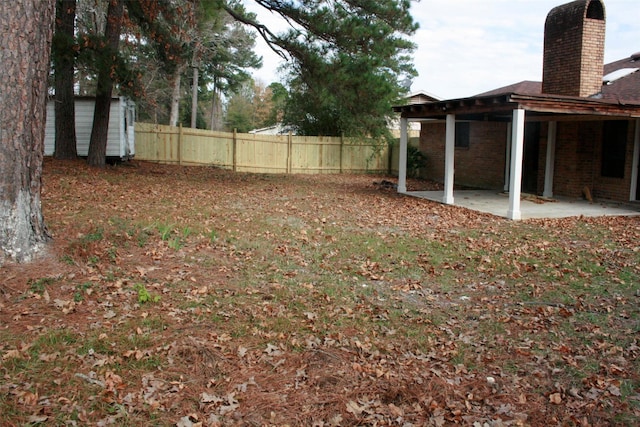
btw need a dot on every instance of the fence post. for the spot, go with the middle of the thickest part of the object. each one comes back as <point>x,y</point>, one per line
<point>157,135</point>
<point>289,149</point>
<point>341,149</point>
<point>180,145</point>
<point>390,149</point>
<point>235,149</point>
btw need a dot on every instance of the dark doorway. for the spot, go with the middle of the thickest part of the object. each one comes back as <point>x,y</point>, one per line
<point>530,157</point>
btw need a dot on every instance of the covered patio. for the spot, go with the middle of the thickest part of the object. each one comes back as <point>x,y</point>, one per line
<point>531,207</point>
<point>516,110</point>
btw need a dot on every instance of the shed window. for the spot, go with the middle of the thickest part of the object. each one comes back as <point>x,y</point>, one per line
<point>614,148</point>
<point>462,134</point>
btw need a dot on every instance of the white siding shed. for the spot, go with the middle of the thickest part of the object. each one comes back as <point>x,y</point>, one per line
<point>121,136</point>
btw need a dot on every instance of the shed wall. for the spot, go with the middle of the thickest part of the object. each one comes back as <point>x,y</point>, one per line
<point>120,142</point>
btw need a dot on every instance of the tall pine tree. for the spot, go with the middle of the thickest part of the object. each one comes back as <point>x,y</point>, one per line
<point>63,53</point>
<point>346,61</point>
<point>24,66</point>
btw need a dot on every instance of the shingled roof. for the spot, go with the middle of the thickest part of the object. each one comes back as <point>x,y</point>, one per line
<point>625,89</point>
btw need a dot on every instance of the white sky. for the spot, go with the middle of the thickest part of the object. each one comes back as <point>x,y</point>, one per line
<point>466,47</point>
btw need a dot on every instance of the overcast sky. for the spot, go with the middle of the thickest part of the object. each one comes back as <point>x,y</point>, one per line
<point>466,47</point>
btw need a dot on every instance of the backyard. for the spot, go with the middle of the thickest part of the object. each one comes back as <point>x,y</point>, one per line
<point>185,296</point>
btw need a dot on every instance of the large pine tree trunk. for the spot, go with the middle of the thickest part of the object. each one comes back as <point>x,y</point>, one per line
<point>27,28</point>
<point>63,64</point>
<point>100,129</point>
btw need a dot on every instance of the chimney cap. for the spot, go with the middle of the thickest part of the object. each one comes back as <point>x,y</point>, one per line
<point>635,56</point>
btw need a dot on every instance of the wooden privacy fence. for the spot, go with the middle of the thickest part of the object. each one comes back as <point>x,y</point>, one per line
<point>257,153</point>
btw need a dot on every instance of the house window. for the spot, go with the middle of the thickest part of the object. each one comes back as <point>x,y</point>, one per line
<point>614,148</point>
<point>462,134</point>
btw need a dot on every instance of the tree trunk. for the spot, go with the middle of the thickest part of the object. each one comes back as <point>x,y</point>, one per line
<point>194,98</point>
<point>27,29</point>
<point>216,110</point>
<point>63,64</point>
<point>213,107</point>
<point>100,129</point>
<point>175,95</point>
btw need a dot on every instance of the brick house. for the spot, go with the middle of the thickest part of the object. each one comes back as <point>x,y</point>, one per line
<point>579,129</point>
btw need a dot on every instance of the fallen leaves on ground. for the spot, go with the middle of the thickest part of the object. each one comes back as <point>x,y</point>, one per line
<point>198,297</point>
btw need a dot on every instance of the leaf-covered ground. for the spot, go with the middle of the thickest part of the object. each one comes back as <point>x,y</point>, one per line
<point>198,297</point>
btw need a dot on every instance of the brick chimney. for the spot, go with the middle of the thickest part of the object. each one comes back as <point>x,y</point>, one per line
<point>574,49</point>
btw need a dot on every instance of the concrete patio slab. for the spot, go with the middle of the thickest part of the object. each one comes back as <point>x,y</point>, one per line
<point>496,203</point>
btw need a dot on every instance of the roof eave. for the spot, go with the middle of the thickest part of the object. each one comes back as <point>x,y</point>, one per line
<point>510,101</point>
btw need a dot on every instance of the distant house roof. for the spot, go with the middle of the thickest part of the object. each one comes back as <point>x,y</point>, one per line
<point>277,129</point>
<point>421,96</point>
<point>621,83</point>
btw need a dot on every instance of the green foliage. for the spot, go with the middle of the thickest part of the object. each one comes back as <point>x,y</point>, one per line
<point>165,231</point>
<point>228,52</point>
<point>279,96</point>
<point>162,40</point>
<point>94,236</point>
<point>416,160</point>
<point>40,285</point>
<point>176,243</point>
<point>81,290</point>
<point>240,112</point>
<point>347,60</point>
<point>185,114</point>
<point>255,106</point>
<point>144,296</point>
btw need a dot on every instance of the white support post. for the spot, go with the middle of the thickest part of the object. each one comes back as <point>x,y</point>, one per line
<point>635,164</point>
<point>449,151</point>
<point>517,150</point>
<point>402,157</point>
<point>507,162</point>
<point>551,159</point>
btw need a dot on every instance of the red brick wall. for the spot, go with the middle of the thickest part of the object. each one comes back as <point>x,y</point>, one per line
<point>614,188</point>
<point>592,62</point>
<point>577,158</point>
<point>573,50</point>
<point>542,156</point>
<point>481,165</point>
<point>432,139</point>
<point>578,162</point>
<point>575,147</point>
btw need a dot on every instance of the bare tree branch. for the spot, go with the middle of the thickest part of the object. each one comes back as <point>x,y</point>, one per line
<point>266,34</point>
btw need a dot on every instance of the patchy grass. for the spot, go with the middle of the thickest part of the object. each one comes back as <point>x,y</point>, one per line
<point>195,295</point>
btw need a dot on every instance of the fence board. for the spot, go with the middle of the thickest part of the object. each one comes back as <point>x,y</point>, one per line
<point>263,153</point>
